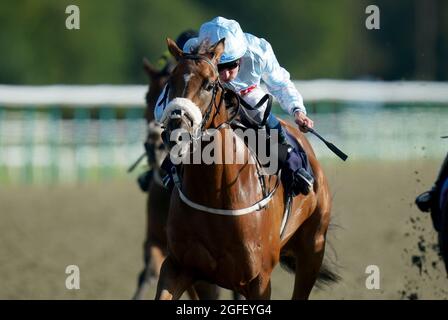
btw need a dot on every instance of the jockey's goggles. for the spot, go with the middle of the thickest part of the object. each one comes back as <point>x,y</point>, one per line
<point>229,65</point>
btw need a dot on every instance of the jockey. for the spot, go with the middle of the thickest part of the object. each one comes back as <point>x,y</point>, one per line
<point>432,200</point>
<point>246,62</point>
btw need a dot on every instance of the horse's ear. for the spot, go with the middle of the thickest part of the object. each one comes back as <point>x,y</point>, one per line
<point>217,50</point>
<point>174,49</point>
<point>151,71</point>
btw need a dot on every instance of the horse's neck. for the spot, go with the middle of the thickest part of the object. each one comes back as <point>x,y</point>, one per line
<point>232,182</point>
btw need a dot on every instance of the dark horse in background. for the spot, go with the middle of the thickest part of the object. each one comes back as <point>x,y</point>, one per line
<point>436,202</point>
<point>155,245</point>
<point>222,227</point>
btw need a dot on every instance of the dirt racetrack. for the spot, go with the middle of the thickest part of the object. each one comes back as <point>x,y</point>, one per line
<point>100,228</point>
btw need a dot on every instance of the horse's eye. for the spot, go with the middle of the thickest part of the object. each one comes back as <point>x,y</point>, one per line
<point>208,86</point>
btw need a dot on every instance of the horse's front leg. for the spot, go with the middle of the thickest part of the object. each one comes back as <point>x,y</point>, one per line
<point>173,281</point>
<point>259,288</point>
<point>145,276</point>
<point>153,258</point>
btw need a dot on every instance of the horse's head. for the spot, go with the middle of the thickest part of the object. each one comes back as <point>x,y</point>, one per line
<point>154,145</point>
<point>157,80</point>
<point>195,92</point>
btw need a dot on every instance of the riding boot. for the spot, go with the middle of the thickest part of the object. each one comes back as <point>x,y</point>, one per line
<point>424,200</point>
<point>296,178</point>
<point>295,173</point>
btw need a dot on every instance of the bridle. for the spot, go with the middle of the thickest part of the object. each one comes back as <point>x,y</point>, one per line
<point>198,131</point>
<point>216,85</point>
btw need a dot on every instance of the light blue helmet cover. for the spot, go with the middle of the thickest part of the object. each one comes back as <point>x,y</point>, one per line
<point>235,45</point>
<point>191,44</point>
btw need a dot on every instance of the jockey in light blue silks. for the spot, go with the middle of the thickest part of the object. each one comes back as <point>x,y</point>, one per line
<point>246,62</point>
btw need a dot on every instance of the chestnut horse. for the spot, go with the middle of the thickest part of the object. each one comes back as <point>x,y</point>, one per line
<point>221,227</point>
<point>154,247</point>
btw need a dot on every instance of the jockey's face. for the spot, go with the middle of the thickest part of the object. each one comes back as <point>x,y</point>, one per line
<point>228,71</point>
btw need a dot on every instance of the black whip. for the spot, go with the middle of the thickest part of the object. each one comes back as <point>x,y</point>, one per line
<point>331,146</point>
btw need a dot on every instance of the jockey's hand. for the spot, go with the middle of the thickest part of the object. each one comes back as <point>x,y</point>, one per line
<point>303,121</point>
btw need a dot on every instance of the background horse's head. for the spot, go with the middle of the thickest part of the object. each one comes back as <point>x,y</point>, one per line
<point>194,90</point>
<point>157,80</point>
<point>154,145</point>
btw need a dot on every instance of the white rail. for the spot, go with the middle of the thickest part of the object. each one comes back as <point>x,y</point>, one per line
<point>312,91</point>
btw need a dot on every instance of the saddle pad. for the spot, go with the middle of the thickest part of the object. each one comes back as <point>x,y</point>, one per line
<point>294,142</point>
